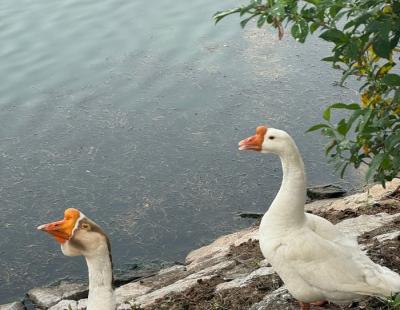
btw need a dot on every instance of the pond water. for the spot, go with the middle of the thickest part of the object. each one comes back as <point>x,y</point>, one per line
<point>131,112</point>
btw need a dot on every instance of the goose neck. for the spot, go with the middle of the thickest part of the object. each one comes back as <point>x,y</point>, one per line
<point>290,200</point>
<point>101,292</point>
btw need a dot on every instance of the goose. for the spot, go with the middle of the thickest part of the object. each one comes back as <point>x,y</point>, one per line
<point>78,235</point>
<point>315,260</point>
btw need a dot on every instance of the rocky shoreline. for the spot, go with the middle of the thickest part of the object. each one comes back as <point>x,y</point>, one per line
<point>230,273</point>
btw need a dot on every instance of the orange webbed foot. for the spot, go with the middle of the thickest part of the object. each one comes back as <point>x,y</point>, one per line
<point>304,306</point>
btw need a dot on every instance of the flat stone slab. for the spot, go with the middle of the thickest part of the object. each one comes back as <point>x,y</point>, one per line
<point>244,281</point>
<point>122,277</point>
<point>12,306</point>
<point>325,191</point>
<point>45,297</point>
<point>280,296</point>
<point>389,236</point>
<point>358,225</point>
<point>180,285</point>
<point>355,201</point>
<point>220,247</point>
<point>130,291</point>
<point>70,305</point>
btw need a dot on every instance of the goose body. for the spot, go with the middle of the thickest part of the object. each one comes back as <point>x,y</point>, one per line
<point>78,235</point>
<point>315,260</point>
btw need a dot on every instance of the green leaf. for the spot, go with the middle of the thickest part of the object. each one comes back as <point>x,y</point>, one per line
<point>221,14</point>
<point>333,10</point>
<point>334,35</point>
<point>365,120</point>
<point>374,165</point>
<point>356,114</point>
<point>327,114</point>
<point>316,127</point>
<point>300,31</point>
<point>343,170</point>
<point>314,26</point>
<point>315,2</point>
<point>328,132</point>
<point>350,106</point>
<point>244,22</point>
<point>391,79</point>
<point>342,127</point>
<point>330,58</point>
<point>382,47</point>
<point>396,98</point>
<point>352,50</point>
<point>261,21</point>
<point>392,141</point>
<point>330,147</point>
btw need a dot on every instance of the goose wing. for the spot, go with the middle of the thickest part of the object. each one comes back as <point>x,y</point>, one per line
<point>331,267</point>
<point>326,230</point>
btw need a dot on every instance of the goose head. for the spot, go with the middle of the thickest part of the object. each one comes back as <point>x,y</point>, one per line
<point>77,234</point>
<point>267,140</point>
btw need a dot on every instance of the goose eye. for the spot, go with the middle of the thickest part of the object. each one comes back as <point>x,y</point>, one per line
<point>85,226</point>
<point>271,137</point>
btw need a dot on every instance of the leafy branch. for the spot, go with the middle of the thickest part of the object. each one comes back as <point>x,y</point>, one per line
<point>365,36</point>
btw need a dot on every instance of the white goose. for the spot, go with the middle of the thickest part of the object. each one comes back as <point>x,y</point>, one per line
<point>314,259</point>
<point>78,235</point>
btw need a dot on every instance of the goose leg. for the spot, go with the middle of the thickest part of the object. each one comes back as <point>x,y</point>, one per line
<point>319,303</point>
<point>304,306</point>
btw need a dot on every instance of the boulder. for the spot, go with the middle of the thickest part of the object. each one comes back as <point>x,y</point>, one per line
<point>355,201</point>
<point>45,297</point>
<point>358,225</point>
<point>281,296</point>
<point>181,285</point>
<point>130,291</point>
<point>244,281</point>
<point>65,305</point>
<point>176,287</point>
<point>325,191</point>
<point>132,273</point>
<point>389,236</point>
<point>220,247</point>
<point>12,306</point>
<point>70,305</point>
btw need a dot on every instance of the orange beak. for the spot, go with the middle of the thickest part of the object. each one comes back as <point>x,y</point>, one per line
<point>254,142</point>
<point>62,230</point>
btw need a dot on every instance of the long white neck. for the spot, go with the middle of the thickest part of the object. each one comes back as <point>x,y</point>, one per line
<point>101,292</point>
<point>288,205</point>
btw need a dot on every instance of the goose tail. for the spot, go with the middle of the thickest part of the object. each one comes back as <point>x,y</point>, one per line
<point>390,280</point>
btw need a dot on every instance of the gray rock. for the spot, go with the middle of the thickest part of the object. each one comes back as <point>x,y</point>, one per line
<point>280,296</point>
<point>245,281</point>
<point>124,276</point>
<point>325,191</point>
<point>65,305</point>
<point>70,305</point>
<point>220,247</point>
<point>181,285</point>
<point>389,236</point>
<point>124,306</point>
<point>364,223</point>
<point>130,291</point>
<point>82,304</point>
<point>251,215</point>
<point>46,297</point>
<point>264,263</point>
<point>176,287</point>
<point>172,269</point>
<point>373,195</point>
<point>12,306</point>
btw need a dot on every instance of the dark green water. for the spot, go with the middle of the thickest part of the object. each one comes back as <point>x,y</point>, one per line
<point>131,111</point>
